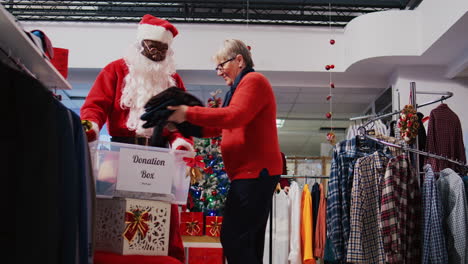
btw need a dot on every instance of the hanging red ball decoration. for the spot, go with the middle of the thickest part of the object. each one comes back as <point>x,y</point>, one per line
<point>327,67</point>
<point>329,97</point>
<point>332,66</point>
<point>332,41</point>
<point>328,115</point>
<point>332,85</point>
<point>210,157</point>
<point>214,193</point>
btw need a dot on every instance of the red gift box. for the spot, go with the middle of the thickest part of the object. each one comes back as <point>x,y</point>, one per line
<point>191,223</point>
<point>213,225</point>
<point>60,61</point>
<point>205,256</point>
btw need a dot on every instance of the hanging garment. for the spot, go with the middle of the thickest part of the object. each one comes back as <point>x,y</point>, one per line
<point>434,245</point>
<point>365,239</point>
<point>400,213</point>
<point>455,215</point>
<point>320,229</point>
<point>344,157</point>
<point>306,227</point>
<point>445,138</point>
<point>295,254</point>
<point>315,203</point>
<point>280,231</point>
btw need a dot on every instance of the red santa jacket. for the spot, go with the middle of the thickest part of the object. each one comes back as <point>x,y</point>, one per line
<point>248,125</point>
<point>103,102</point>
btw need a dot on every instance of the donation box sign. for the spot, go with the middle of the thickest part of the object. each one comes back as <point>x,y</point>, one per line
<point>145,171</point>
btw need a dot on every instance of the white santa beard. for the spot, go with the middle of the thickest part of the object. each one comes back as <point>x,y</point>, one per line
<point>145,79</point>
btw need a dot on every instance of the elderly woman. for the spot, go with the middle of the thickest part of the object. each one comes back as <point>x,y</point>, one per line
<point>251,155</point>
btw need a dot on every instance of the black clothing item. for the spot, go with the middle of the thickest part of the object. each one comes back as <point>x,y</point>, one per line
<point>248,205</point>
<point>157,114</point>
<point>230,93</point>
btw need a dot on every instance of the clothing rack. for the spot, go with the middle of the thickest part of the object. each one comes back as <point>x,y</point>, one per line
<point>445,95</point>
<point>304,177</point>
<point>417,151</point>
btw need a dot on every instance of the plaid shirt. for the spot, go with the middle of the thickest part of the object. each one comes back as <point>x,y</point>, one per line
<point>434,246</point>
<point>345,155</point>
<point>365,239</point>
<point>455,215</point>
<point>400,215</point>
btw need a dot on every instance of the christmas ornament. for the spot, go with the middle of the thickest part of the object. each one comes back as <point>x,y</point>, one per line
<point>329,97</point>
<point>332,66</point>
<point>328,115</point>
<point>332,85</point>
<point>332,41</point>
<point>331,137</point>
<point>327,67</point>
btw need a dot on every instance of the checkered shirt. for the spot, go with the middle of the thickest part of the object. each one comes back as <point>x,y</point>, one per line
<point>455,215</point>
<point>434,245</point>
<point>345,155</point>
<point>400,212</point>
<point>365,240</point>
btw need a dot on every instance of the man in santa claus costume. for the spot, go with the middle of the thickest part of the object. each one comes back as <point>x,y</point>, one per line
<point>124,86</point>
<point>119,95</point>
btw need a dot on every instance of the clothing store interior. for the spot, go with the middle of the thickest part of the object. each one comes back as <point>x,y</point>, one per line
<point>371,122</point>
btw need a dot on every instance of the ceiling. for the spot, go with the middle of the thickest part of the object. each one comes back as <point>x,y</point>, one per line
<point>279,12</point>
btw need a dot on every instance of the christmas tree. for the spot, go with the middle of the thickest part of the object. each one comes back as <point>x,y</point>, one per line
<point>208,195</point>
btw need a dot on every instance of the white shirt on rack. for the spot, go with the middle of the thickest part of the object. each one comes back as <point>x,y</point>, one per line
<point>280,231</point>
<point>295,224</point>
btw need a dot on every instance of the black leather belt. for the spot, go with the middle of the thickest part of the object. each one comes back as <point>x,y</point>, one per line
<point>132,140</point>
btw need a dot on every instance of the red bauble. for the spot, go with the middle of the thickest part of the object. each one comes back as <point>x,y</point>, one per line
<point>332,41</point>
<point>214,193</point>
<point>332,85</point>
<point>332,66</point>
<point>202,199</point>
<point>327,67</point>
<point>329,97</point>
<point>328,115</point>
<point>210,157</point>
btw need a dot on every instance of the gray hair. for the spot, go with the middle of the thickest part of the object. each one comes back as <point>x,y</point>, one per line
<point>232,48</point>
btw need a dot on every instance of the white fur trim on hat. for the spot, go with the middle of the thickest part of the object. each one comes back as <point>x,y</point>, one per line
<point>182,142</point>
<point>157,33</point>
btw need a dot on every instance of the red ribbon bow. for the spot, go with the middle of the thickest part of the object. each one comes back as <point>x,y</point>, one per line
<point>194,162</point>
<point>192,228</point>
<point>215,227</point>
<point>136,222</point>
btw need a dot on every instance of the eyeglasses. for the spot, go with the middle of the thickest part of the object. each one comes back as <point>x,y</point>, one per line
<point>220,66</point>
<point>154,49</point>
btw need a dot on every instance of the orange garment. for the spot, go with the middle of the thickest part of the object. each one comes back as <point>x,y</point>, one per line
<point>320,229</point>
<point>306,227</point>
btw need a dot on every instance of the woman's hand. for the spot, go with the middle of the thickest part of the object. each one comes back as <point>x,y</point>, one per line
<point>179,113</point>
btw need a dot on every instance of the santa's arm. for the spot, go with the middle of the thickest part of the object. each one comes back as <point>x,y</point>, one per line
<point>99,100</point>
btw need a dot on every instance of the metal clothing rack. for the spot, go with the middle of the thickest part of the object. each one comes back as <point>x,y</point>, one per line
<point>445,95</point>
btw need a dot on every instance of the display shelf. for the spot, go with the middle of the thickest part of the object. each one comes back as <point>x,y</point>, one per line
<point>201,241</point>
<point>17,45</point>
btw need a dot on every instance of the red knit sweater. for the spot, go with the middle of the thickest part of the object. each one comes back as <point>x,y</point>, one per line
<point>248,125</point>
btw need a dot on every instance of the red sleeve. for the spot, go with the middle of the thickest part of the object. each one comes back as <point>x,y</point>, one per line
<point>100,99</point>
<point>250,97</point>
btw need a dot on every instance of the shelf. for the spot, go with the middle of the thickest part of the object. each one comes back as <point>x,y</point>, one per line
<point>201,241</point>
<point>15,42</point>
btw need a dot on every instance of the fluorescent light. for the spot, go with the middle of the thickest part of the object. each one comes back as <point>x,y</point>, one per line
<point>279,122</point>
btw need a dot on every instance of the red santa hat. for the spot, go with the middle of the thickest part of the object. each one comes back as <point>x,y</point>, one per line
<point>158,29</point>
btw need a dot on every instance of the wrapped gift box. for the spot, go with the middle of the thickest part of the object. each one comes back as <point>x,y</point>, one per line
<point>205,256</point>
<point>191,223</point>
<point>132,226</point>
<point>213,225</point>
